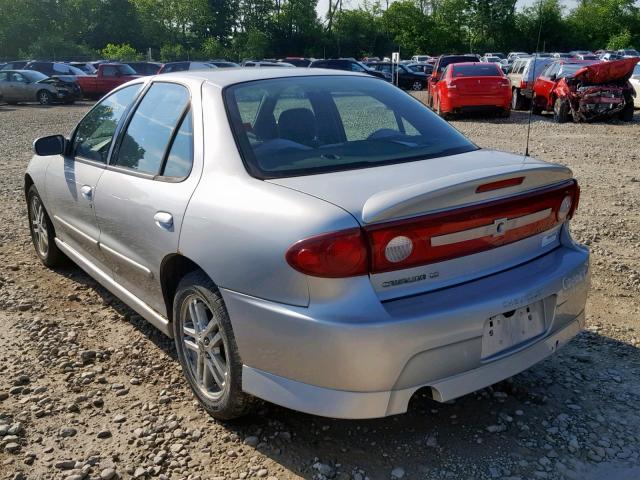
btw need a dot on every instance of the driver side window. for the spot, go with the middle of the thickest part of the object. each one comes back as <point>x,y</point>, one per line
<point>95,132</point>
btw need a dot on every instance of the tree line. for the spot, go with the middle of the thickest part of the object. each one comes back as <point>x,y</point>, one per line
<point>241,29</point>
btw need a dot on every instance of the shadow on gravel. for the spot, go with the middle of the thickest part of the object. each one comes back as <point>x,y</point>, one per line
<point>571,416</point>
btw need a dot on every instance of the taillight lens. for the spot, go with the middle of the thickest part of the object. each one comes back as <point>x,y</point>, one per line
<point>435,237</point>
<point>332,255</point>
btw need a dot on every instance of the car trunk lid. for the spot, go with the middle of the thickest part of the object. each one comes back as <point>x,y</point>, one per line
<point>481,85</point>
<point>604,72</point>
<point>463,196</point>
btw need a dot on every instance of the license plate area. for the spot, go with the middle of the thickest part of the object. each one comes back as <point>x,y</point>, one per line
<point>511,329</point>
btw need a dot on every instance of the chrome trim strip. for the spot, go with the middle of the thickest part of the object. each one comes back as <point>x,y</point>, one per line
<point>106,280</point>
<point>497,228</point>
<point>126,259</point>
<point>76,230</point>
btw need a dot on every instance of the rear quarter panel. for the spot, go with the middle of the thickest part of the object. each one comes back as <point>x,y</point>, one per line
<point>238,228</point>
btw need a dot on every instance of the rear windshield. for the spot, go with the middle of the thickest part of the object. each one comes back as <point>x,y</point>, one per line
<point>569,69</point>
<point>299,126</point>
<point>476,70</point>
<point>449,60</point>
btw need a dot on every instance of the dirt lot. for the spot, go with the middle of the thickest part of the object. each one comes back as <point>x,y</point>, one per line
<point>89,390</point>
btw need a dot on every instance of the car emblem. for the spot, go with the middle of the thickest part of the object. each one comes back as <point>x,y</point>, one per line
<point>497,228</point>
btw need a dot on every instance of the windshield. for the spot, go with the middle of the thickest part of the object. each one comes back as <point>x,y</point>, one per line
<point>126,70</point>
<point>299,126</point>
<point>33,75</point>
<point>569,69</point>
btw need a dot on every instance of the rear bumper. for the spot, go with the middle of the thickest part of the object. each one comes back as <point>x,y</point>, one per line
<point>470,102</point>
<point>368,362</point>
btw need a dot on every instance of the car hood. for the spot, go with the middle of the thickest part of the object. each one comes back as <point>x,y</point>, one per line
<point>614,71</point>
<point>408,189</point>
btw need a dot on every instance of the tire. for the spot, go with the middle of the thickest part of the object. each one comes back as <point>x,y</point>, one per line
<point>44,97</point>
<point>626,115</point>
<point>440,113</point>
<point>42,231</point>
<point>207,348</point>
<point>561,111</point>
<point>517,100</point>
<point>535,109</point>
<point>417,86</point>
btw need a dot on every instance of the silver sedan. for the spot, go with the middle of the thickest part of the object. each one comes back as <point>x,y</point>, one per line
<point>26,86</point>
<point>318,239</point>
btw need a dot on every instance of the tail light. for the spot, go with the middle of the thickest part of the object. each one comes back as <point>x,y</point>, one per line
<point>451,84</point>
<point>332,255</point>
<point>435,237</point>
<point>505,83</point>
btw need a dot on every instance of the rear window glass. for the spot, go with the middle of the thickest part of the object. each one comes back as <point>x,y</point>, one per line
<point>299,126</point>
<point>476,70</point>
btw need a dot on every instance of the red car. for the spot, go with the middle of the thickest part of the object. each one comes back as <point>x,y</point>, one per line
<point>467,87</point>
<point>108,77</point>
<point>585,90</point>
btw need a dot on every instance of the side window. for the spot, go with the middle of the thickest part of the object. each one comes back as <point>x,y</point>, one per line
<point>95,132</point>
<point>180,158</point>
<point>4,77</point>
<point>60,69</point>
<point>109,71</point>
<point>356,68</point>
<point>151,127</point>
<point>16,77</point>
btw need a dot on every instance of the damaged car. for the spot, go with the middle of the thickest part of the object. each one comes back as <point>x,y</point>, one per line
<point>30,86</point>
<point>586,91</point>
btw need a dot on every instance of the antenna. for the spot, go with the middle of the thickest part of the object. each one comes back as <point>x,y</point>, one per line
<point>535,57</point>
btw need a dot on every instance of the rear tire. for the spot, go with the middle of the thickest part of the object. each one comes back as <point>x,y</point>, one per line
<point>517,100</point>
<point>440,113</point>
<point>561,111</point>
<point>207,349</point>
<point>417,86</point>
<point>42,232</point>
<point>44,97</point>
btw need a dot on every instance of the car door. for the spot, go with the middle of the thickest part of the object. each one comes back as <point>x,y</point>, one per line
<point>143,194</point>
<point>71,179</point>
<point>544,84</point>
<point>5,87</point>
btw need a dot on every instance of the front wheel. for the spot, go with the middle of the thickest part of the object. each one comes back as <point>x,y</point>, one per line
<point>44,97</point>
<point>517,100</point>
<point>417,85</point>
<point>561,111</point>
<point>626,115</point>
<point>42,232</point>
<point>207,349</point>
<point>535,108</point>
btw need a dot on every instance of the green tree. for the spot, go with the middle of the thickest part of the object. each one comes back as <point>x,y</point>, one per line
<point>121,52</point>
<point>620,40</point>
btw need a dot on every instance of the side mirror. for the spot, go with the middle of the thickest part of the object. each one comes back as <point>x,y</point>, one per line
<point>51,145</point>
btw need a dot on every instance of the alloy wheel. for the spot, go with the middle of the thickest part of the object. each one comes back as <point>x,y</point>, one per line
<point>204,347</point>
<point>44,98</point>
<point>417,85</point>
<point>39,227</point>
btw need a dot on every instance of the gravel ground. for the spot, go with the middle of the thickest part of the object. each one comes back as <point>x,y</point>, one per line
<point>89,390</point>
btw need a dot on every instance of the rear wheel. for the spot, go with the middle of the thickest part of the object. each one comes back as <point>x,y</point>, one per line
<point>207,348</point>
<point>517,100</point>
<point>561,111</point>
<point>626,115</point>
<point>439,111</point>
<point>417,85</point>
<point>44,97</point>
<point>42,232</point>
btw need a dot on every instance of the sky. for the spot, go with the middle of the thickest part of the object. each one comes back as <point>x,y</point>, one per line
<point>323,5</point>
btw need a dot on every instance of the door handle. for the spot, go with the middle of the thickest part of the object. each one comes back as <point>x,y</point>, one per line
<point>87,192</point>
<point>164,220</point>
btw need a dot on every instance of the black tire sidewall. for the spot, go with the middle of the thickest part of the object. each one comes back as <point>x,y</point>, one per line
<point>234,402</point>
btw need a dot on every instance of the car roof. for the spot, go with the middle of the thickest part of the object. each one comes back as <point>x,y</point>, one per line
<point>224,77</point>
